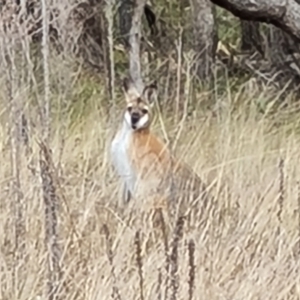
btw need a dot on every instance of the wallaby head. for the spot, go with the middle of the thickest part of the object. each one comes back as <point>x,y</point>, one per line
<point>138,111</point>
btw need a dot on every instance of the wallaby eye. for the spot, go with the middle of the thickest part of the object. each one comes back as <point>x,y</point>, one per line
<point>129,108</point>
<point>144,111</point>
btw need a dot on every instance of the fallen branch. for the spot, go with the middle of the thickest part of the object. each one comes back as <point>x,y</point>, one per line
<point>284,14</point>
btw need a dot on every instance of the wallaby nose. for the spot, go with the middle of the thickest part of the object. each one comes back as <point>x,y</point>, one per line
<point>135,117</point>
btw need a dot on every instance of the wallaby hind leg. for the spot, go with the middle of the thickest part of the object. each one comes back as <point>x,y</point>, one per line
<point>126,194</point>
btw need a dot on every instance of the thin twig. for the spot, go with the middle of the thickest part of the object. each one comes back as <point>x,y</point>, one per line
<point>116,295</point>
<point>137,242</point>
<point>281,190</point>
<point>15,161</point>
<point>45,51</point>
<point>178,233</point>
<point>191,253</point>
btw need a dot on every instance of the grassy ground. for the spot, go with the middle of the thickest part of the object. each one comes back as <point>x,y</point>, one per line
<point>244,250</point>
<point>247,247</point>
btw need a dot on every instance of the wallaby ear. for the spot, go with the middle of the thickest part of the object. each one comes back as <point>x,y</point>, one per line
<point>150,93</point>
<point>129,89</point>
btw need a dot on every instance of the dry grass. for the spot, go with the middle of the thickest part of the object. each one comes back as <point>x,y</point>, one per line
<point>247,246</point>
<point>243,250</point>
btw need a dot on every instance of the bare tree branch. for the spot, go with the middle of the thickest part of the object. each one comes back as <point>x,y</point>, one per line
<point>284,14</point>
<point>109,14</point>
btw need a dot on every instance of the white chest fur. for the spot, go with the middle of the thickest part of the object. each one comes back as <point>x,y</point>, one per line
<point>120,159</point>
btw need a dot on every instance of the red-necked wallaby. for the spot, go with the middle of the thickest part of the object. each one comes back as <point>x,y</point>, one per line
<point>148,170</point>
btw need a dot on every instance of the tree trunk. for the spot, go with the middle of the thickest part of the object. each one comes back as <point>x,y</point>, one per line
<point>251,38</point>
<point>283,54</point>
<point>125,15</point>
<point>205,37</point>
<point>280,45</point>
